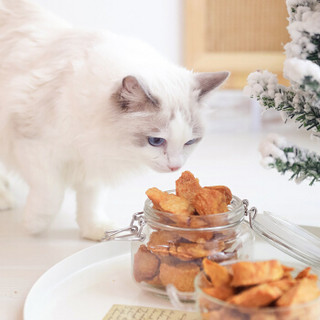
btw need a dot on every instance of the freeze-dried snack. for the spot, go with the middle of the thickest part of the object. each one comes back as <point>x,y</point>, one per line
<point>156,195</point>
<point>191,251</point>
<point>209,201</point>
<point>155,281</point>
<point>264,316</point>
<point>303,291</point>
<point>247,273</point>
<point>224,190</point>
<point>222,293</point>
<point>257,296</point>
<point>161,238</point>
<point>146,264</point>
<point>191,199</point>
<point>218,275</point>
<point>187,186</point>
<point>180,275</point>
<point>161,241</point>
<point>176,205</point>
<point>254,289</point>
<point>283,284</point>
<point>306,273</point>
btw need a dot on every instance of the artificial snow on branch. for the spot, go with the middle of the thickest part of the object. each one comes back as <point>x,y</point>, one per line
<point>302,164</point>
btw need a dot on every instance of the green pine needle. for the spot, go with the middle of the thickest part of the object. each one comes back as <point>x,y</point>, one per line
<point>301,163</point>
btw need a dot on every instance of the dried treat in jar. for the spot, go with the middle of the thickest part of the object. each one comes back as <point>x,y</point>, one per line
<point>156,196</point>
<point>155,281</point>
<point>224,190</point>
<point>303,291</point>
<point>176,205</point>
<point>222,293</point>
<point>247,273</point>
<point>258,296</point>
<point>146,264</point>
<point>283,284</point>
<point>306,273</point>
<point>263,316</point>
<point>180,275</point>
<point>218,274</point>
<point>161,241</point>
<point>187,186</point>
<point>209,201</point>
<point>190,251</point>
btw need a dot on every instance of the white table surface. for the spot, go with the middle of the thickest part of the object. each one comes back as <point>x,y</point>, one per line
<point>230,158</point>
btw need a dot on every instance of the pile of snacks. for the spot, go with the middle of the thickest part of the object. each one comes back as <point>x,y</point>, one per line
<point>175,256</point>
<point>256,285</point>
<point>191,198</point>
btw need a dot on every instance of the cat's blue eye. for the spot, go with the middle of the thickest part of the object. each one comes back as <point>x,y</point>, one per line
<point>156,142</point>
<point>190,142</point>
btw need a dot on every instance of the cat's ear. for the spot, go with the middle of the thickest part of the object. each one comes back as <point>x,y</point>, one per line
<point>208,81</point>
<point>134,96</point>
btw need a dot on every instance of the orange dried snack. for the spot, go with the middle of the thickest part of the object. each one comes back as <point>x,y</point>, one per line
<point>257,296</point>
<point>222,293</point>
<point>187,186</point>
<point>156,195</point>
<point>162,241</point>
<point>224,190</point>
<point>191,251</point>
<point>305,273</point>
<point>155,281</point>
<point>162,237</point>
<point>263,316</point>
<point>176,205</point>
<point>146,264</point>
<point>209,201</point>
<point>283,284</point>
<point>180,275</point>
<point>247,273</point>
<point>303,291</point>
<point>218,274</point>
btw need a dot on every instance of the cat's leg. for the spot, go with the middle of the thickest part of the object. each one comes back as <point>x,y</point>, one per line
<point>91,216</point>
<point>44,201</point>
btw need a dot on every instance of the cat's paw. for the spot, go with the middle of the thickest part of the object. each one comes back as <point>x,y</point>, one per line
<point>36,225</point>
<point>96,230</point>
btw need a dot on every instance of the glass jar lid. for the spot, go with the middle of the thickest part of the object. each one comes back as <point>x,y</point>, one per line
<point>288,237</point>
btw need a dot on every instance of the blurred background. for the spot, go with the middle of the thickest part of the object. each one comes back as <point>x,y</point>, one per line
<point>212,35</point>
<point>202,35</point>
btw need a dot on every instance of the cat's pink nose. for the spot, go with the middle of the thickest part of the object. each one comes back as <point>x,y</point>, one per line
<point>174,168</point>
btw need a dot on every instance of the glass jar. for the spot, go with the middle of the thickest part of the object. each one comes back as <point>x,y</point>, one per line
<point>211,308</point>
<point>173,246</point>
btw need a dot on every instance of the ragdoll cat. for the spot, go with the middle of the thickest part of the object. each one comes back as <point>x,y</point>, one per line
<point>83,109</point>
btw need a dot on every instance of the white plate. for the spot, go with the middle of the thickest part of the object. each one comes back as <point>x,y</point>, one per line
<point>86,285</point>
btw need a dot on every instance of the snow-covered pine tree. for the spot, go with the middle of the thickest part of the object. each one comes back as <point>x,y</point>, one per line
<point>301,100</point>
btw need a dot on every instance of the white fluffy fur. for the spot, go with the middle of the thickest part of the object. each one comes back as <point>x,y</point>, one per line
<point>60,123</point>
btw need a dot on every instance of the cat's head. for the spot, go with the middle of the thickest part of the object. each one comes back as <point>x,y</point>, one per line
<point>164,122</point>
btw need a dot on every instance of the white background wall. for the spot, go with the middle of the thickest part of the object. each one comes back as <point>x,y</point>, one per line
<point>157,22</point>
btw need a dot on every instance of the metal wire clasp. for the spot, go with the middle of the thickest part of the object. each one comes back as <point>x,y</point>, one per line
<point>250,213</point>
<point>133,232</point>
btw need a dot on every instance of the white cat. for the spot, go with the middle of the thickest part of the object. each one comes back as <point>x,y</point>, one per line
<point>82,109</point>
